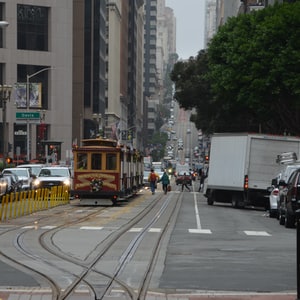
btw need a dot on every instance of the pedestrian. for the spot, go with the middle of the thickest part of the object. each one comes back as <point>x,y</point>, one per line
<point>184,183</point>
<point>153,178</point>
<point>201,180</point>
<point>165,181</point>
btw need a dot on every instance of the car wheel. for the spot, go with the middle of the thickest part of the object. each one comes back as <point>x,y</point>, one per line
<point>289,220</point>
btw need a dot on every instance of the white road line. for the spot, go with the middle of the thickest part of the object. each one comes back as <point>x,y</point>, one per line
<point>257,233</point>
<point>140,229</point>
<point>135,230</point>
<point>198,221</point>
<point>154,230</point>
<point>48,227</point>
<point>205,231</point>
<point>91,228</point>
<point>197,212</point>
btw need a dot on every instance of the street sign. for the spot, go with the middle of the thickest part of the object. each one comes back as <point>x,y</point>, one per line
<point>28,115</point>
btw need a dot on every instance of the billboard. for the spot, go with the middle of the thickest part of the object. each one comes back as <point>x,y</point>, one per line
<point>35,95</point>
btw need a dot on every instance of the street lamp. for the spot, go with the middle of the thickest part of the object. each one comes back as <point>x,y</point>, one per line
<point>3,24</point>
<point>28,105</point>
<point>5,92</point>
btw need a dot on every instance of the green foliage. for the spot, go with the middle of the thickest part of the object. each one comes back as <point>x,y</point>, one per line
<point>158,141</point>
<point>249,77</point>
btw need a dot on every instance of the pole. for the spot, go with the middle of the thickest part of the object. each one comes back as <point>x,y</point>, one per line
<point>298,253</point>
<point>28,107</point>
<point>27,122</point>
<point>3,24</point>
<point>5,96</point>
<point>4,128</point>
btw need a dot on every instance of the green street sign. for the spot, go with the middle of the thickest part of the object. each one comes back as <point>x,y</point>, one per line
<point>28,115</point>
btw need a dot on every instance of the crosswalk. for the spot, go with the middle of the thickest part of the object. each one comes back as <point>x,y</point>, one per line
<point>155,230</point>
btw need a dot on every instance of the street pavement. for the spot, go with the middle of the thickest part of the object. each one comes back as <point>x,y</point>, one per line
<point>40,294</point>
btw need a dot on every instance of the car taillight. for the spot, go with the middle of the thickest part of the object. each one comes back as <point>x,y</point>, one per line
<point>246,182</point>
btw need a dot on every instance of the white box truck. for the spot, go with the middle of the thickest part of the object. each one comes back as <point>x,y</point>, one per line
<point>242,166</point>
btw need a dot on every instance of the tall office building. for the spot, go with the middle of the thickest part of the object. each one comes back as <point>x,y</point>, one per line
<point>150,72</point>
<point>36,58</point>
<point>89,68</point>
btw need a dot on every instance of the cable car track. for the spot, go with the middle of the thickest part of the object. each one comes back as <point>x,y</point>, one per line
<point>162,206</point>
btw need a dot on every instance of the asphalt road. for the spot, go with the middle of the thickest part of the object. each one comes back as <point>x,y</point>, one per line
<point>214,251</point>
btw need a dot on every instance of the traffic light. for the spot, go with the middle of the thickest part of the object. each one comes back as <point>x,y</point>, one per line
<point>9,147</point>
<point>8,160</point>
<point>206,158</point>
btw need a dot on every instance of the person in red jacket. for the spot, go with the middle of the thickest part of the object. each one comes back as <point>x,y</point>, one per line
<point>153,178</point>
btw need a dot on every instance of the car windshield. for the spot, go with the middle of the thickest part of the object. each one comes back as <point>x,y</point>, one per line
<point>20,172</point>
<point>181,173</point>
<point>54,172</point>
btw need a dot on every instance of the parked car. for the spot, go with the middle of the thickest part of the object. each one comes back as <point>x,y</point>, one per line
<point>14,184</point>
<point>278,184</point>
<point>183,175</point>
<point>23,174</point>
<point>3,186</point>
<point>34,168</point>
<point>49,177</point>
<point>290,200</point>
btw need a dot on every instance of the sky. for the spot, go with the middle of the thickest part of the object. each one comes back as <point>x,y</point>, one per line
<point>190,22</point>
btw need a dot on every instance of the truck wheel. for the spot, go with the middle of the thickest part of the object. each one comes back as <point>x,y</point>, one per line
<point>235,201</point>
<point>210,197</point>
<point>210,201</point>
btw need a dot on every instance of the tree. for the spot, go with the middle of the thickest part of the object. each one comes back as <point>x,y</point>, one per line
<point>249,78</point>
<point>193,88</point>
<point>158,143</point>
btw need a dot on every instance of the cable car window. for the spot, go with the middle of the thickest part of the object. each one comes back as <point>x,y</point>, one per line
<point>96,161</point>
<point>111,161</point>
<point>82,161</point>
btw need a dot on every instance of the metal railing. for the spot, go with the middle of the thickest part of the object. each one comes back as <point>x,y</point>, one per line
<point>23,203</point>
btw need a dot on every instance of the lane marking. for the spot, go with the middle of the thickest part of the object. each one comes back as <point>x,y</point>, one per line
<point>256,233</point>
<point>48,227</point>
<point>140,229</point>
<point>198,221</point>
<point>205,231</point>
<point>90,228</point>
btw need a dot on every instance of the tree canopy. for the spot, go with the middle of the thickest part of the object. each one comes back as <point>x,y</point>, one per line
<point>248,78</point>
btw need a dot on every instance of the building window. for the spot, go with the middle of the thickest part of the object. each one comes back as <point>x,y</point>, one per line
<point>32,27</point>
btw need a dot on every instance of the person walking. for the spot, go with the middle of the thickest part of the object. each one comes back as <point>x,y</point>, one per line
<point>165,181</point>
<point>201,180</point>
<point>153,177</point>
<point>184,183</point>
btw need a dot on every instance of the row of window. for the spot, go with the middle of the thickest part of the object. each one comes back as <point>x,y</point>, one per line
<point>32,27</point>
<point>94,161</point>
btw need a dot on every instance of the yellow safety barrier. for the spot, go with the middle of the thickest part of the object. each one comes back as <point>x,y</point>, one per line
<point>23,203</point>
